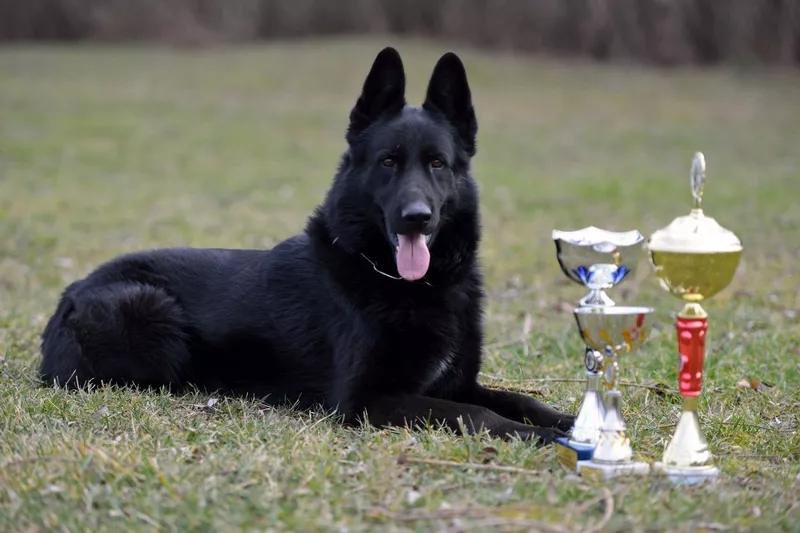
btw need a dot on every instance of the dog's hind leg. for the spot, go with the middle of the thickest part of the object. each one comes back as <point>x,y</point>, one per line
<point>123,333</point>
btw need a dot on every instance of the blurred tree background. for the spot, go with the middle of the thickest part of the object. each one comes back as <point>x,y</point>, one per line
<point>662,32</point>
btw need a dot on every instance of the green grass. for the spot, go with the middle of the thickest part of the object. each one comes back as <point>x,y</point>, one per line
<point>104,151</point>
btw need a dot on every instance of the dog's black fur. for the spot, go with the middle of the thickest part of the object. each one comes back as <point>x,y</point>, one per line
<point>319,319</point>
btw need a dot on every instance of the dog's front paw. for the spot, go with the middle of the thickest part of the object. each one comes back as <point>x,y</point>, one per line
<point>539,435</point>
<point>564,421</point>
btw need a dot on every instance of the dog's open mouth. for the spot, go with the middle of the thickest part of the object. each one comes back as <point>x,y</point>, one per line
<point>412,255</point>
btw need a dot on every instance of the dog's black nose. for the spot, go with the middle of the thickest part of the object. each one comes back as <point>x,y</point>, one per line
<point>416,214</point>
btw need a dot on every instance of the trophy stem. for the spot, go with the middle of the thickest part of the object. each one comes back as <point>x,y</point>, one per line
<point>693,310</point>
<point>692,348</point>
<point>596,298</point>
<point>687,458</point>
<point>586,430</point>
<point>688,447</point>
<point>614,446</point>
<point>614,454</point>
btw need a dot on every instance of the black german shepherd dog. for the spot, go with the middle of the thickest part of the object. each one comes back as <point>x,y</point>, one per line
<point>375,309</point>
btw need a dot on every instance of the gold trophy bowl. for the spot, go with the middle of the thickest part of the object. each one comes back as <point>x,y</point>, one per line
<point>694,277</point>
<point>694,258</point>
<point>618,332</point>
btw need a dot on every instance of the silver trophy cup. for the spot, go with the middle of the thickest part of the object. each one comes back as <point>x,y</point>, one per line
<point>598,260</point>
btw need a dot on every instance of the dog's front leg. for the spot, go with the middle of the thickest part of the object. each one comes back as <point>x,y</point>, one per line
<point>517,407</point>
<point>410,410</point>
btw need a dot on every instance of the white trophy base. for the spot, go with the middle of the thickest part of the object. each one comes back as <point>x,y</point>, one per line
<point>603,471</point>
<point>689,475</point>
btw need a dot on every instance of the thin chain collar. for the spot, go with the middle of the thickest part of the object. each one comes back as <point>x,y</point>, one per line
<point>381,272</point>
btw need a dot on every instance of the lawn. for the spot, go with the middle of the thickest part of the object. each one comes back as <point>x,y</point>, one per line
<point>108,150</point>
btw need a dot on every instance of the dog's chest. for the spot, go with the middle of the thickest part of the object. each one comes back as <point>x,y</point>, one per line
<point>421,341</point>
<point>438,369</point>
<point>425,343</point>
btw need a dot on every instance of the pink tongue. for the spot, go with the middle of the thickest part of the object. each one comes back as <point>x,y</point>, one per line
<point>413,256</point>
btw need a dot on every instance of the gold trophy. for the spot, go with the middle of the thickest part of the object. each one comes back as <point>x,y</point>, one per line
<point>618,332</point>
<point>694,259</point>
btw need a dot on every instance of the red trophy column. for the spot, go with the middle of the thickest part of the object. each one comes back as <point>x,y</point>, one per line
<point>692,348</point>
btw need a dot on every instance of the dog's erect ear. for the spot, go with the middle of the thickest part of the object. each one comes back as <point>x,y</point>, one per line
<point>449,94</point>
<point>383,93</point>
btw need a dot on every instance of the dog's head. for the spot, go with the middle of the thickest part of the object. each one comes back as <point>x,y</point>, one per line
<point>407,161</point>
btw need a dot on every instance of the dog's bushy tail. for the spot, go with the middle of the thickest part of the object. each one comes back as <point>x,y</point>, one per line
<point>120,333</point>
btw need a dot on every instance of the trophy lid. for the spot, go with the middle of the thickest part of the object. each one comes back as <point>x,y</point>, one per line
<point>695,232</point>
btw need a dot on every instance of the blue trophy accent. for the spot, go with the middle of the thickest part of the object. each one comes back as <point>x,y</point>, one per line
<point>620,274</point>
<point>587,276</point>
<point>583,274</point>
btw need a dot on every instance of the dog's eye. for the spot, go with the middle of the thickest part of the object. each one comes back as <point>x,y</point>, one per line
<point>388,161</point>
<point>437,163</point>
